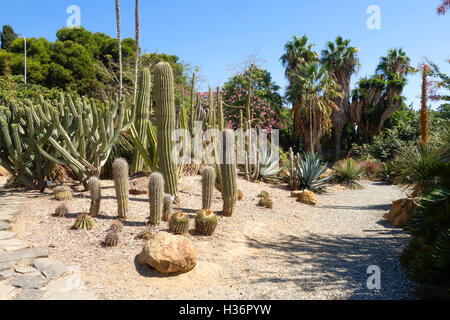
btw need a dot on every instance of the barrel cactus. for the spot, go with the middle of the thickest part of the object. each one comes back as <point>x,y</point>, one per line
<point>120,173</point>
<point>61,210</point>
<point>83,222</point>
<point>116,226</point>
<point>178,223</point>
<point>165,120</point>
<point>156,195</point>
<point>112,239</point>
<point>208,181</point>
<point>264,194</point>
<point>240,195</point>
<point>266,202</point>
<point>205,222</point>
<point>62,193</point>
<point>228,169</point>
<point>167,207</point>
<point>96,196</point>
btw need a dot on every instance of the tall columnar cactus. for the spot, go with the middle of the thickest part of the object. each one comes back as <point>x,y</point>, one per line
<point>142,117</point>
<point>228,169</point>
<point>220,119</point>
<point>96,196</point>
<point>165,115</point>
<point>167,207</point>
<point>120,173</point>
<point>156,195</point>
<point>208,182</point>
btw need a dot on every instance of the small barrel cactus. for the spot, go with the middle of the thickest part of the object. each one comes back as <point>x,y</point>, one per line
<point>266,202</point>
<point>146,234</point>
<point>264,194</point>
<point>208,181</point>
<point>240,195</point>
<point>96,196</point>
<point>205,222</point>
<point>62,193</point>
<point>156,195</point>
<point>112,239</point>
<point>167,207</point>
<point>228,170</point>
<point>179,223</point>
<point>116,226</point>
<point>120,173</point>
<point>83,222</point>
<point>61,210</point>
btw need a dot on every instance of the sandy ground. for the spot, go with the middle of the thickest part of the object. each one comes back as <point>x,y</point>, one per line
<point>294,251</point>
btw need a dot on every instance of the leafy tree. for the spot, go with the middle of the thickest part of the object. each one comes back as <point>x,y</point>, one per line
<point>7,36</point>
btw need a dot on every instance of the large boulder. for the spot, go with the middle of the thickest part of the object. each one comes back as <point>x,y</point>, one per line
<point>168,253</point>
<point>400,214</point>
<point>308,197</point>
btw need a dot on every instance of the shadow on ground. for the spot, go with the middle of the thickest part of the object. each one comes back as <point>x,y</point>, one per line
<point>318,262</point>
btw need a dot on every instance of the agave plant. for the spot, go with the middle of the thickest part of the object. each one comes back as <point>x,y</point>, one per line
<point>348,171</point>
<point>311,168</point>
<point>269,163</point>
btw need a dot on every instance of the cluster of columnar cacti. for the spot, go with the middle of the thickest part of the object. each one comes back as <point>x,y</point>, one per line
<point>142,121</point>
<point>62,193</point>
<point>167,207</point>
<point>96,196</point>
<point>179,223</point>
<point>208,183</point>
<point>165,117</point>
<point>78,134</point>
<point>205,222</point>
<point>84,222</point>
<point>156,198</point>
<point>228,171</point>
<point>120,174</point>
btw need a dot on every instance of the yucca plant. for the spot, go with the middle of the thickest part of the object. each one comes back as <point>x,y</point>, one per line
<point>310,168</point>
<point>348,171</point>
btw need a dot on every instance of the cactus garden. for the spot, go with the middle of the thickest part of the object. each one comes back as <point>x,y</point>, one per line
<point>154,179</point>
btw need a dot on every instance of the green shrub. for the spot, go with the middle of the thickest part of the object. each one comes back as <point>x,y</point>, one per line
<point>348,171</point>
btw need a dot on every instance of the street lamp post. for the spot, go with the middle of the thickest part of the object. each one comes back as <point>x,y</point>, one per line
<point>25,54</point>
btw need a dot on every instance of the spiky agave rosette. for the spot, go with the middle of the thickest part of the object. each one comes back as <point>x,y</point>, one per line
<point>178,223</point>
<point>205,222</point>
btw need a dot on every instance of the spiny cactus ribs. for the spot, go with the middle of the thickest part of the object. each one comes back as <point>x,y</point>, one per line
<point>84,222</point>
<point>228,170</point>
<point>112,239</point>
<point>167,207</point>
<point>62,193</point>
<point>116,226</point>
<point>205,222</point>
<point>208,181</point>
<point>179,223</point>
<point>156,195</point>
<point>120,173</point>
<point>96,196</point>
<point>61,210</point>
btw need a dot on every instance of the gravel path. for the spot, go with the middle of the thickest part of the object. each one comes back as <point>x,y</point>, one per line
<point>294,251</point>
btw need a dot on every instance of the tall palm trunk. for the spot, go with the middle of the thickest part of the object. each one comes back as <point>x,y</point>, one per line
<point>120,48</point>
<point>424,122</point>
<point>137,51</point>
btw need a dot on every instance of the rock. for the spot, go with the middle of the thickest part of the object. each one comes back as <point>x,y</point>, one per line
<point>23,255</point>
<point>27,270</point>
<point>296,194</point>
<point>13,244</point>
<point>136,191</point>
<point>27,282</point>
<point>308,197</point>
<point>6,291</point>
<point>168,253</point>
<point>75,294</point>
<point>6,265</point>
<point>400,214</point>
<point>3,172</point>
<point>70,281</point>
<point>50,268</point>
<point>5,226</point>
<point>7,235</point>
<point>29,294</point>
<point>7,274</point>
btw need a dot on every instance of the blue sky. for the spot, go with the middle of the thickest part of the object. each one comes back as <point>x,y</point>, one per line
<point>216,34</point>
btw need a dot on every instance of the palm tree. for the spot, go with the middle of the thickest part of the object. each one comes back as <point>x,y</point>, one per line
<point>314,90</point>
<point>342,62</point>
<point>120,47</point>
<point>137,51</point>
<point>395,65</point>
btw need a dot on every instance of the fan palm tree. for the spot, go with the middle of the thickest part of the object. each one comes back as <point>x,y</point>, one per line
<point>120,47</point>
<point>395,65</point>
<point>314,90</point>
<point>342,62</point>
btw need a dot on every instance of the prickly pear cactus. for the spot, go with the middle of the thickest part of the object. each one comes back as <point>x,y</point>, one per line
<point>120,173</point>
<point>179,223</point>
<point>208,181</point>
<point>156,195</point>
<point>205,222</point>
